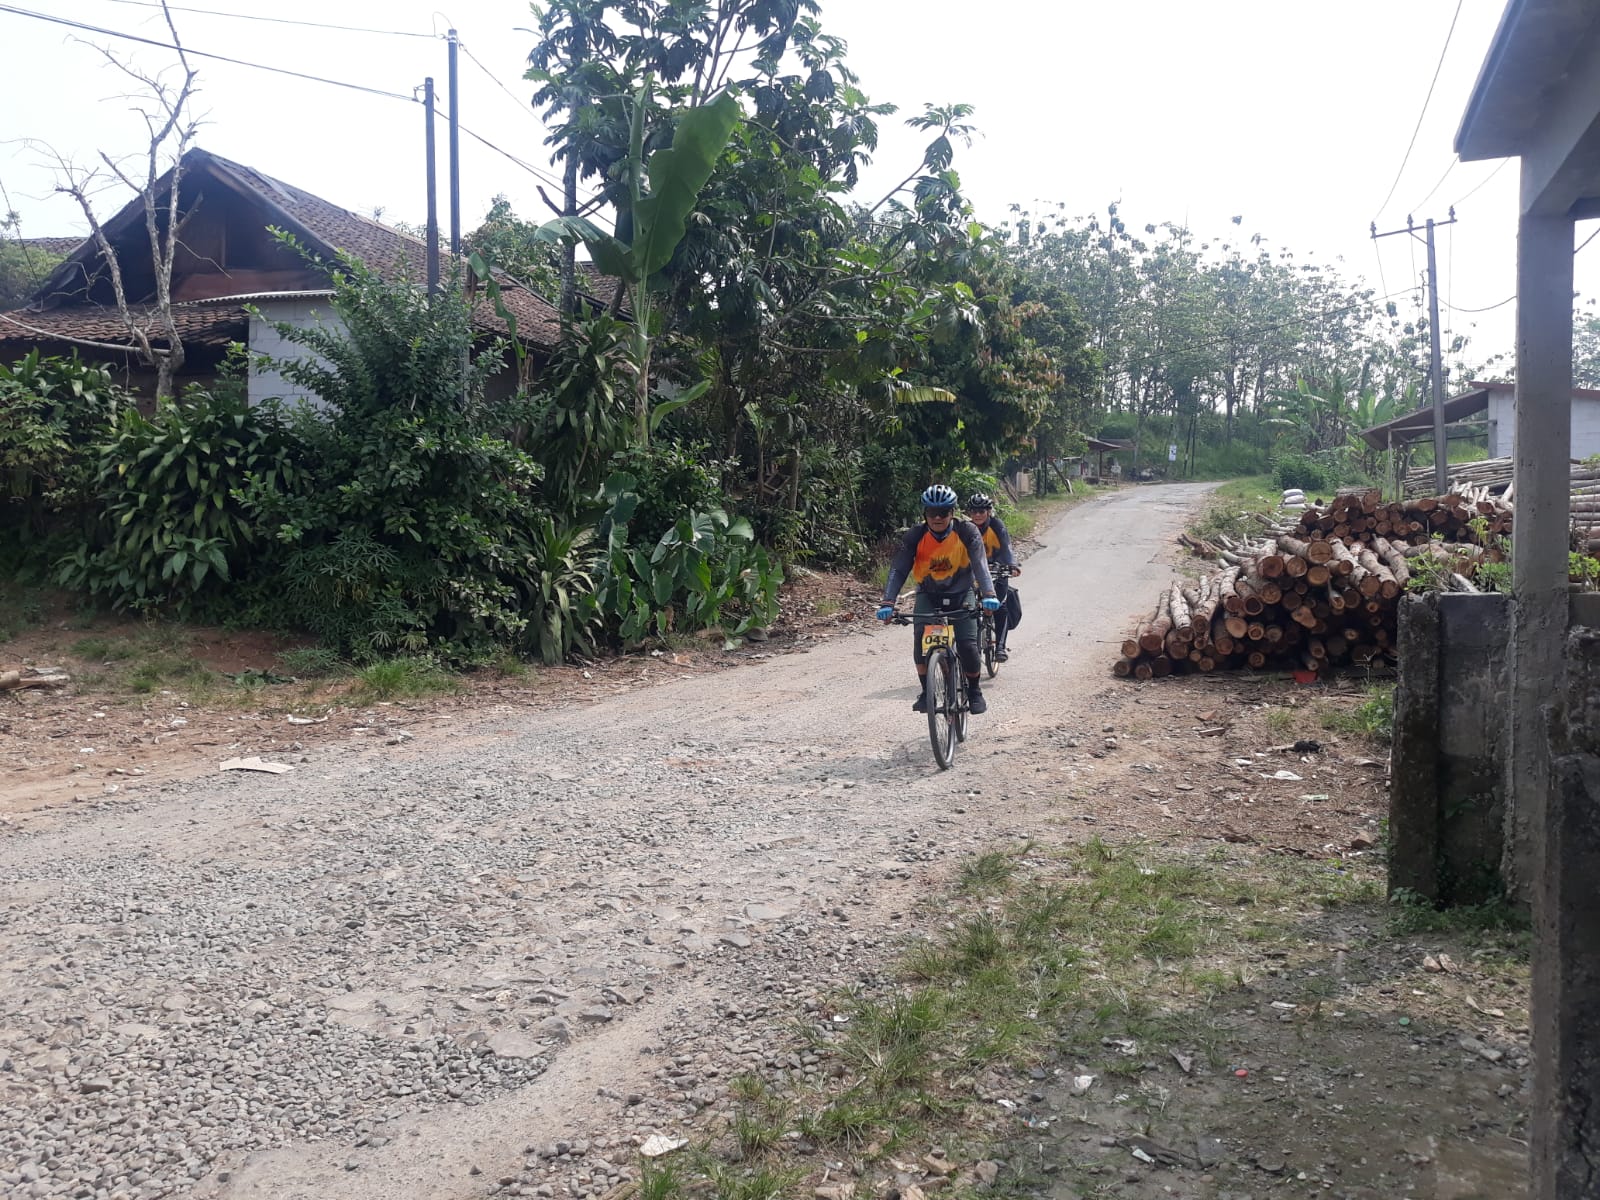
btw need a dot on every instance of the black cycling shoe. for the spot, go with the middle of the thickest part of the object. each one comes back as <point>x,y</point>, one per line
<point>976,703</point>
<point>920,704</point>
<point>1002,655</point>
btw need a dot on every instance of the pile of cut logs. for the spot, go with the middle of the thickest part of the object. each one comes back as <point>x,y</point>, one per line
<point>1492,478</point>
<point>1311,595</point>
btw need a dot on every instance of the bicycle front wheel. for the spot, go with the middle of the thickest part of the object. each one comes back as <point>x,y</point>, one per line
<point>942,713</point>
<point>958,700</point>
<point>991,665</point>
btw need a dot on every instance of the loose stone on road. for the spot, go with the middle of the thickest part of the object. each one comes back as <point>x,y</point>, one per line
<point>358,982</point>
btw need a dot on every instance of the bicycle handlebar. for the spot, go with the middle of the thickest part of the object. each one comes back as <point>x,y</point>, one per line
<point>901,618</point>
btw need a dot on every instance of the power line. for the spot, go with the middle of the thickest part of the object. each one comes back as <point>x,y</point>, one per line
<point>238,62</point>
<point>544,176</point>
<point>526,110</point>
<point>1487,308</point>
<point>1425,101</point>
<point>1513,296</point>
<point>206,12</point>
<point>1454,162</point>
<point>1484,180</point>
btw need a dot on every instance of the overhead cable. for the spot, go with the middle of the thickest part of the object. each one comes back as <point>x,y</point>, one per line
<point>1443,50</point>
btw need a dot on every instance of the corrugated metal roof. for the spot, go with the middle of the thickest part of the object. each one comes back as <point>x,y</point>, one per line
<point>258,297</point>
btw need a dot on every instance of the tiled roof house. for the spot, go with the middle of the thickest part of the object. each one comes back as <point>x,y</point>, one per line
<point>227,260</point>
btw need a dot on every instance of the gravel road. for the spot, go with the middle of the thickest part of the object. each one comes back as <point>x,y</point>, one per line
<point>492,959</point>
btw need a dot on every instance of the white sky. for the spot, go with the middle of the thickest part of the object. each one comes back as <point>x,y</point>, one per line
<point>1294,114</point>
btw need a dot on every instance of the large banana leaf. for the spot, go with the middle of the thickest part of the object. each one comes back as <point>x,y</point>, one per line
<point>676,176</point>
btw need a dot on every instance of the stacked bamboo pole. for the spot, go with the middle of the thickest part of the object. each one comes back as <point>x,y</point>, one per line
<point>1493,477</point>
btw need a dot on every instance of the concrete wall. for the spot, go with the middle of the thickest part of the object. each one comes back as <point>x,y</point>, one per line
<point>1502,426</point>
<point>1447,786</point>
<point>264,339</point>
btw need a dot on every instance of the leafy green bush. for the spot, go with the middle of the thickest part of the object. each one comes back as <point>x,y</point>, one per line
<point>1303,471</point>
<point>53,412</point>
<point>171,487</point>
<point>584,413</point>
<point>669,480</point>
<point>706,572</point>
<point>422,531</point>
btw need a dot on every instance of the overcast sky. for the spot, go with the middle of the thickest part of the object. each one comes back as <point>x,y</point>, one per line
<point>1295,116</point>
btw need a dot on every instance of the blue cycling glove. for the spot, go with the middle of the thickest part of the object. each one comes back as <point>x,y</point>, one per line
<point>886,612</point>
<point>991,603</point>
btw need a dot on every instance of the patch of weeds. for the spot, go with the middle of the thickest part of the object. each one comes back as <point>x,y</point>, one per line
<point>510,665</point>
<point>404,677</point>
<point>311,662</point>
<point>166,671</point>
<point>1373,718</point>
<point>1413,914</point>
<point>103,649</point>
<point>1280,721</point>
<point>849,1120</point>
<point>750,1183</point>
<point>988,873</point>
<point>660,1180</point>
<point>760,1119</point>
<point>827,606</point>
<point>892,1042</point>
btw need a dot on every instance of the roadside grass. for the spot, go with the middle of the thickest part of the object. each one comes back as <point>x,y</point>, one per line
<point>311,662</point>
<point>1229,508</point>
<point>403,678</point>
<point>1373,718</point>
<point>1494,923</point>
<point>1043,953</point>
<point>154,658</point>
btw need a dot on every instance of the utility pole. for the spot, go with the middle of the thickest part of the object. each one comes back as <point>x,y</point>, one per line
<point>433,190</point>
<point>1441,465</point>
<point>455,149</point>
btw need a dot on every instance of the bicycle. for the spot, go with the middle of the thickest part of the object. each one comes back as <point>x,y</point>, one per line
<point>988,634</point>
<point>945,688</point>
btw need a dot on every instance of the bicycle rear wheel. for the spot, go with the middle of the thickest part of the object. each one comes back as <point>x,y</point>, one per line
<point>991,665</point>
<point>941,712</point>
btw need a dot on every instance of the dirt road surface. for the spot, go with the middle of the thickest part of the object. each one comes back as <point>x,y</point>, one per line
<point>424,970</point>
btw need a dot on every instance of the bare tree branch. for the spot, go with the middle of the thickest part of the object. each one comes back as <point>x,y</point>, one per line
<point>165,113</point>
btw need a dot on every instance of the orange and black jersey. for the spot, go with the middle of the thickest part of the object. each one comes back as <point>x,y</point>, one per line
<point>997,542</point>
<point>941,566</point>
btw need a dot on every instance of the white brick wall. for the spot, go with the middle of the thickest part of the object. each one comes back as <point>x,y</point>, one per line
<point>1502,428</point>
<point>264,339</point>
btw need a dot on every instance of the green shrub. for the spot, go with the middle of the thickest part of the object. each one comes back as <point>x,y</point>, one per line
<point>1303,471</point>
<point>669,480</point>
<point>170,485</point>
<point>706,572</point>
<point>53,413</point>
<point>422,533</point>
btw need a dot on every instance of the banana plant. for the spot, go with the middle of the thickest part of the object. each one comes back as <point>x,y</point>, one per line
<point>662,191</point>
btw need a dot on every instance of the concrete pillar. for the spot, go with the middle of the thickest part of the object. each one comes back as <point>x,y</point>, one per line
<point>1542,446</point>
<point>1564,1129</point>
<point>1414,781</point>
